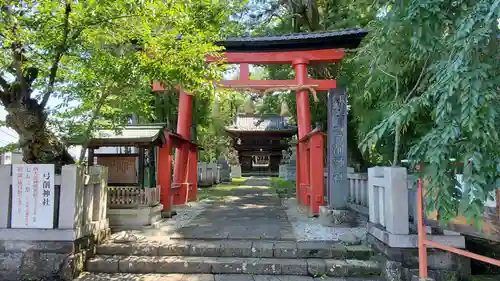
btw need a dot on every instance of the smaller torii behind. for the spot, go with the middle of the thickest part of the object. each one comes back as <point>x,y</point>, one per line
<point>298,50</point>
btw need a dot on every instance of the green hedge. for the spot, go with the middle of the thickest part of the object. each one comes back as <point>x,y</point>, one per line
<point>284,188</point>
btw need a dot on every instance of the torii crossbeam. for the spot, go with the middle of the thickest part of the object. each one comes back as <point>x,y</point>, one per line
<point>299,50</point>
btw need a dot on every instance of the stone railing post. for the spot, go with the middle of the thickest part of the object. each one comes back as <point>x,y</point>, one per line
<point>4,199</point>
<point>387,196</point>
<point>100,192</point>
<point>202,168</point>
<point>72,198</point>
<point>396,200</point>
<point>235,171</point>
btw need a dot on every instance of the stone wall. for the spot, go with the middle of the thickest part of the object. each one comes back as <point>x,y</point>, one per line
<point>52,260</point>
<point>401,264</point>
<point>391,235</point>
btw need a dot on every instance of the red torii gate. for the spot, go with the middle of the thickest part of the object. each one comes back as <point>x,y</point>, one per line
<point>299,50</point>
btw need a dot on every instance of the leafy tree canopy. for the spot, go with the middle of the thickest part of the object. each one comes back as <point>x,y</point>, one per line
<point>99,57</point>
<point>430,69</point>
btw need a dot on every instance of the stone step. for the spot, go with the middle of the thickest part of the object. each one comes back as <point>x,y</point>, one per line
<point>243,249</point>
<point>211,277</point>
<point>232,265</point>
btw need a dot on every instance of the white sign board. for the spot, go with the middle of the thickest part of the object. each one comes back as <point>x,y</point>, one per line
<point>32,196</point>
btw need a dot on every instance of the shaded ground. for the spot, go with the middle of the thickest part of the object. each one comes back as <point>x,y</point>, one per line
<point>246,209</point>
<point>251,210</point>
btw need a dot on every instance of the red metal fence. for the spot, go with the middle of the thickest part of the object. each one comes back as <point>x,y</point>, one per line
<point>423,243</point>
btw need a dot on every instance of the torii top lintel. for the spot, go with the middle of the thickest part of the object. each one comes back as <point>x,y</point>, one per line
<point>313,47</point>
<point>301,48</point>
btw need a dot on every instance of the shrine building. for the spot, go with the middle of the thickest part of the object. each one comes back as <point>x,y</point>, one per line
<point>260,140</point>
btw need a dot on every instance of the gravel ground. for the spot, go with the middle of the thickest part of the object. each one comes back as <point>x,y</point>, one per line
<point>54,277</point>
<point>188,212</point>
<point>309,229</point>
<point>167,228</point>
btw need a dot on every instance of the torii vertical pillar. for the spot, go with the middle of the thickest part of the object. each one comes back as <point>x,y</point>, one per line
<point>184,122</point>
<point>304,127</point>
<point>165,176</point>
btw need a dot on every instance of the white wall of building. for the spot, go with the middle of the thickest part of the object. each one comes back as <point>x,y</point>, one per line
<point>8,158</point>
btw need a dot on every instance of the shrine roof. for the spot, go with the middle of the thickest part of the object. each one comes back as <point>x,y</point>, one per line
<point>261,123</point>
<point>131,135</point>
<point>348,39</point>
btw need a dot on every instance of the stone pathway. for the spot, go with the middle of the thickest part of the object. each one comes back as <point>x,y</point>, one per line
<point>251,213</point>
<point>241,233</point>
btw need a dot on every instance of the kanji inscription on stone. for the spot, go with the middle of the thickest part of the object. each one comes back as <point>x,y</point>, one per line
<point>338,189</point>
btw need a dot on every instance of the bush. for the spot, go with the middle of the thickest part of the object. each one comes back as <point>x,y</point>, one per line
<point>284,189</point>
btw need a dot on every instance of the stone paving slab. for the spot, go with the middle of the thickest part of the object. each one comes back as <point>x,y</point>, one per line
<point>198,277</point>
<point>232,265</point>
<point>371,278</point>
<point>234,277</point>
<point>238,248</point>
<point>251,212</point>
<point>210,277</point>
<point>255,212</point>
<point>137,277</point>
<point>344,268</point>
<point>281,278</point>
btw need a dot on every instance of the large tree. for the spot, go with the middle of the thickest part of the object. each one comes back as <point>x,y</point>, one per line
<point>430,69</point>
<point>88,52</point>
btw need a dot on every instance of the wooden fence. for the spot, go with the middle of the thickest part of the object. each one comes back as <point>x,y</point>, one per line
<point>123,197</point>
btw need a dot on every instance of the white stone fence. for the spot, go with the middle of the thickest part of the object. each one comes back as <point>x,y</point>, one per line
<point>208,174</point>
<point>358,191</point>
<point>132,197</point>
<point>282,171</point>
<point>235,171</point>
<point>80,205</point>
<point>388,193</point>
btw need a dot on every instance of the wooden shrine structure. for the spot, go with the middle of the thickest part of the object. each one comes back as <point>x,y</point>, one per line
<point>260,140</point>
<point>152,164</point>
<point>129,167</point>
<point>298,50</point>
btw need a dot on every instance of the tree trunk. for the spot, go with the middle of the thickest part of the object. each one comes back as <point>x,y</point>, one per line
<point>39,145</point>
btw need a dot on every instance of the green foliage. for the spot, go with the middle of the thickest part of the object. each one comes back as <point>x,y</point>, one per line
<point>423,86</point>
<point>99,58</point>
<point>8,148</point>
<point>283,17</point>
<point>445,58</point>
<point>221,191</point>
<point>212,137</point>
<point>284,189</point>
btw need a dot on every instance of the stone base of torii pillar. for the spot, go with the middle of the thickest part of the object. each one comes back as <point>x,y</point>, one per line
<point>335,217</point>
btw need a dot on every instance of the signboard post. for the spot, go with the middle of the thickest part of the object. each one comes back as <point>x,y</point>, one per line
<point>338,190</point>
<point>32,196</point>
